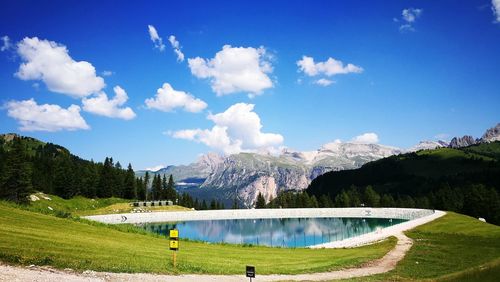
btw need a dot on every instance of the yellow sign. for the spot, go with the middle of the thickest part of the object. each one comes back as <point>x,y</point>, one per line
<point>174,244</point>
<point>174,234</point>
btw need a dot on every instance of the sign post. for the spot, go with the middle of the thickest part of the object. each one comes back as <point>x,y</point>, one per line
<point>174,244</point>
<point>250,272</point>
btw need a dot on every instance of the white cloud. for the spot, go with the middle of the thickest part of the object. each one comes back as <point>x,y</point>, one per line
<point>366,138</point>
<point>442,136</point>
<point>235,69</point>
<point>34,117</point>
<point>238,129</point>
<point>408,18</point>
<point>158,42</point>
<point>323,82</point>
<point>167,99</point>
<point>329,67</point>
<point>155,168</point>
<point>495,6</point>
<point>101,105</point>
<point>177,48</point>
<point>107,73</point>
<point>50,62</point>
<point>5,43</point>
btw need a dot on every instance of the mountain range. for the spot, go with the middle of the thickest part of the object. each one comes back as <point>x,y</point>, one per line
<point>243,176</point>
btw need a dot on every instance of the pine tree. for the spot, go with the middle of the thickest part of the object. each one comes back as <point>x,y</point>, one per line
<point>15,183</point>
<point>156,188</point>
<point>372,198</point>
<point>146,185</point>
<point>164,188</point>
<point>171,194</point>
<point>130,184</point>
<point>261,202</point>
<point>342,200</point>
<point>141,189</point>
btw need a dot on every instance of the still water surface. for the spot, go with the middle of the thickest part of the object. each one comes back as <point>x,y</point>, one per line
<point>278,232</point>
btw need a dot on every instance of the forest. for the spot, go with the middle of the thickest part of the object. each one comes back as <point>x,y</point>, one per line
<point>28,165</point>
<point>464,180</point>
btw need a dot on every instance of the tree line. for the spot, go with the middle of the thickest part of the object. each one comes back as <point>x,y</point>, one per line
<point>28,165</point>
<point>475,200</point>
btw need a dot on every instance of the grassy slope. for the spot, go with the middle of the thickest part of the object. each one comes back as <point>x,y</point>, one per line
<point>453,248</point>
<point>32,238</point>
<point>82,206</point>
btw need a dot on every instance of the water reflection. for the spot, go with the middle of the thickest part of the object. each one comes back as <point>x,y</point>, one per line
<point>281,232</point>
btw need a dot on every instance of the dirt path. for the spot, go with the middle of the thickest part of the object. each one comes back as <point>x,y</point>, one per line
<point>384,264</point>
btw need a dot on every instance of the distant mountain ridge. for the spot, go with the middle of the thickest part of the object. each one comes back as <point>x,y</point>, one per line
<point>243,176</point>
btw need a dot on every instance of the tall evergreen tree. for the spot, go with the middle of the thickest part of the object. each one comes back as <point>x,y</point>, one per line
<point>164,187</point>
<point>146,185</point>
<point>130,184</point>
<point>171,194</point>
<point>15,183</point>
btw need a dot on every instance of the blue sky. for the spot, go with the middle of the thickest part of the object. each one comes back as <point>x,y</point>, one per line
<point>404,71</point>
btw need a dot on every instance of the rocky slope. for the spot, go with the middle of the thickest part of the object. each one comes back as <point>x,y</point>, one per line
<point>243,176</point>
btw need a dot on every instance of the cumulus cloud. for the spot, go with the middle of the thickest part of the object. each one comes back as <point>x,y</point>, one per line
<point>50,62</point>
<point>101,105</point>
<point>495,6</point>
<point>167,99</point>
<point>177,48</point>
<point>329,67</point>
<point>323,82</point>
<point>366,138</point>
<point>408,18</point>
<point>34,117</point>
<point>238,129</point>
<point>235,69</point>
<point>5,43</point>
<point>157,40</point>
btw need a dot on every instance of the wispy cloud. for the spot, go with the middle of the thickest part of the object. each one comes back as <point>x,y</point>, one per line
<point>6,45</point>
<point>408,18</point>
<point>177,48</point>
<point>157,40</point>
<point>495,6</point>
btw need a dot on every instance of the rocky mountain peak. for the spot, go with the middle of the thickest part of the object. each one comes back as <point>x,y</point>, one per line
<point>459,142</point>
<point>428,145</point>
<point>492,134</point>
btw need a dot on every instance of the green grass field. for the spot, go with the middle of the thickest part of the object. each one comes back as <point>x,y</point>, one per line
<point>81,206</point>
<point>28,237</point>
<point>452,248</point>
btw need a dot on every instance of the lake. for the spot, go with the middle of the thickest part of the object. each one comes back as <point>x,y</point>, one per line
<point>276,232</point>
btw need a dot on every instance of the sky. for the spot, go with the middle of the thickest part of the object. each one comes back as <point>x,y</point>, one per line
<point>156,83</point>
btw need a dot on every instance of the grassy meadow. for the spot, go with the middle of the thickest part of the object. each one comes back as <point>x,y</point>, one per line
<point>28,237</point>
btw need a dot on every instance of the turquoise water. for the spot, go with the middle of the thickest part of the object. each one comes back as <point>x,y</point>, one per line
<point>277,232</point>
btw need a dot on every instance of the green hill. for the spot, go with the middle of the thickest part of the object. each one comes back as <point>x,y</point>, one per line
<point>27,165</point>
<point>465,180</point>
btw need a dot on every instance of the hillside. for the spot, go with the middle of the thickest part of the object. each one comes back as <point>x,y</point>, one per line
<point>464,179</point>
<point>28,164</point>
